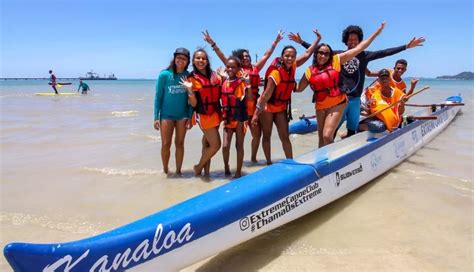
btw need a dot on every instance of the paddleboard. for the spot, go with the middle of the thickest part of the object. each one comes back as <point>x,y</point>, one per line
<point>53,94</point>
<point>61,83</point>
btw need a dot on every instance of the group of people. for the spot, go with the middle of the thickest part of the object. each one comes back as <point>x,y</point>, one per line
<point>207,98</point>
<point>54,84</point>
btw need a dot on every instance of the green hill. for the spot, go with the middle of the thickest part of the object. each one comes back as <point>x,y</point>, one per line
<point>463,75</point>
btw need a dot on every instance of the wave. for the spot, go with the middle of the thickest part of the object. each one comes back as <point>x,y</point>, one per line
<point>125,113</point>
<point>463,189</point>
<point>71,225</point>
<point>150,137</point>
<point>122,172</point>
<point>420,174</point>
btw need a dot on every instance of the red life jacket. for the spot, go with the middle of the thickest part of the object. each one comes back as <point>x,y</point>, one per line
<point>209,95</point>
<point>232,107</point>
<point>254,80</point>
<point>282,94</point>
<point>324,83</point>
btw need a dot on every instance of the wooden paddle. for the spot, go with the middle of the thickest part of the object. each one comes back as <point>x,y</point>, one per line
<point>395,103</point>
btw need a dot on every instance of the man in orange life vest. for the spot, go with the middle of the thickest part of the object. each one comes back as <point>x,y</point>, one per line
<point>396,76</point>
<point>381,95</point>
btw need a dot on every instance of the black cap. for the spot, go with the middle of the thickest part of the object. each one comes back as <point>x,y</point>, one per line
<point>383,72</point>
<point>182,51</point>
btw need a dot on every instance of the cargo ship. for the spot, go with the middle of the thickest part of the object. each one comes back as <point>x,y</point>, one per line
<point>94,76</point>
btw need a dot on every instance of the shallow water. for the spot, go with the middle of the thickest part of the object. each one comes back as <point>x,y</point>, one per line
<point>76,166</point>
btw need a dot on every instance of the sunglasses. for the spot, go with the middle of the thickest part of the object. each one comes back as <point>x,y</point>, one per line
<point>324,54</point>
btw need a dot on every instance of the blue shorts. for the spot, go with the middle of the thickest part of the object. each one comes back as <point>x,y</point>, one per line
<point>351,114</point>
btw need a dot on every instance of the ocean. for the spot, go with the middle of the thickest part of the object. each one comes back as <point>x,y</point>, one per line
<point>77,166</point>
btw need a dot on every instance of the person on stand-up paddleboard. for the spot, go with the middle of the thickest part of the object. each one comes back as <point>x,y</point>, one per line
<point>52,81</point>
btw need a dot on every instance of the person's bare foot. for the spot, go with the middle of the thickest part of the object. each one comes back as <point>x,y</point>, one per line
<point>269,162</point>
<point>226,170</point>
<point>178,173</point>
<point>197,172</point>
<point>237,175</point>
<point>253,159</point>
<point>165,170</point>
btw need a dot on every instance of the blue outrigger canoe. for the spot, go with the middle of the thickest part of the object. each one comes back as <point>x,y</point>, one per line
<point>214,221</point>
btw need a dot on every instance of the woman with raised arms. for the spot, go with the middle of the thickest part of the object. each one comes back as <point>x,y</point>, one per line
<point>253,71</point>
<point>274,105</point>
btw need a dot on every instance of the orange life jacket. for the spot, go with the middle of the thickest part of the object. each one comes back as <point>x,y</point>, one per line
<point>254,80</point>
<point>282,94</point>
<point>209,95</point>
<point>390,117</point>
<point>232,107</point>
<point>324,83</point>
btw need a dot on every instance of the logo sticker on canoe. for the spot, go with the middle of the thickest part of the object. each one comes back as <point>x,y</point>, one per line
<point>340,177</point>
<point>375,161</point>
<point>280,208</point>
<point>427,127</point>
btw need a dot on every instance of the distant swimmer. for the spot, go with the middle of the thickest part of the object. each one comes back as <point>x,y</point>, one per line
<point>84,87</point>
<point>52,81</point>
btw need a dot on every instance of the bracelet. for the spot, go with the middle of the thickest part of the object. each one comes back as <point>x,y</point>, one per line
<point>214,44</point>
<point>259,107</point>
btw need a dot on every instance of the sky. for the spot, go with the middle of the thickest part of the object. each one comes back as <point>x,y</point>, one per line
<point>136,39</point>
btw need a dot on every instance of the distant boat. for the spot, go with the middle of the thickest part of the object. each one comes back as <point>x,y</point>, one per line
<point>94,76</point>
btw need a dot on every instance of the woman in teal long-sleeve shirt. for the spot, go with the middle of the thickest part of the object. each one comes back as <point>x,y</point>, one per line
<point>172,108</point>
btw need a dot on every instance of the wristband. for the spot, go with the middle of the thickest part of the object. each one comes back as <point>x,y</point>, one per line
<point>214,44</point>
